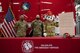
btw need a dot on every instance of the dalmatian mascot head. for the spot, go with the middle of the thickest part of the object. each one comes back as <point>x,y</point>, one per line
<point>49,16</point>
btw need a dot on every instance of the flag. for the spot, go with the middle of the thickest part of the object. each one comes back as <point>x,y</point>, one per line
<point>8,24</point>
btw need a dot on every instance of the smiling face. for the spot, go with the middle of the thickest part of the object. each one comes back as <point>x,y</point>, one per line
<point>50,18</point>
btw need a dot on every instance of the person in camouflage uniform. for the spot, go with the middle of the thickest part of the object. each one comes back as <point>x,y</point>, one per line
<point>49,25</point>
<point>21,27</point>
<point>37,27</point>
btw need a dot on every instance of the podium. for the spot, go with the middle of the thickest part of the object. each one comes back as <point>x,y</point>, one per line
<point>40,45</point>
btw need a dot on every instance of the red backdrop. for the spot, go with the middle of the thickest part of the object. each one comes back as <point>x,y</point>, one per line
<point>36,6</point>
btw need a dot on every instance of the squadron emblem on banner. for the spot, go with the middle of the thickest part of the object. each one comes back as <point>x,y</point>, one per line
<point>27,46</point>
<point>26,6</point>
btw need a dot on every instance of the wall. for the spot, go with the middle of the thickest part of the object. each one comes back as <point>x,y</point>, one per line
<point>56,7</point>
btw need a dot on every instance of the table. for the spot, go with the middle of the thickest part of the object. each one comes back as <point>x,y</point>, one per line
<point>40,45</point>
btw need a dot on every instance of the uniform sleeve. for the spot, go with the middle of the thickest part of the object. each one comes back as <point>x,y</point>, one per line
<point>32,25</point>
<point>44,27</point>
<point>26,25</point>
<point>16,26</point>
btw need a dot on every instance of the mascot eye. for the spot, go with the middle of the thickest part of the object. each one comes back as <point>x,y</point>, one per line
<point>51,17</point>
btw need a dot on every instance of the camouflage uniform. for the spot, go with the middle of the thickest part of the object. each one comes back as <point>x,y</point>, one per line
<point>20,28</point>
<point>37,28</point>
<point>49,28</point>
<point>49,24</point>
